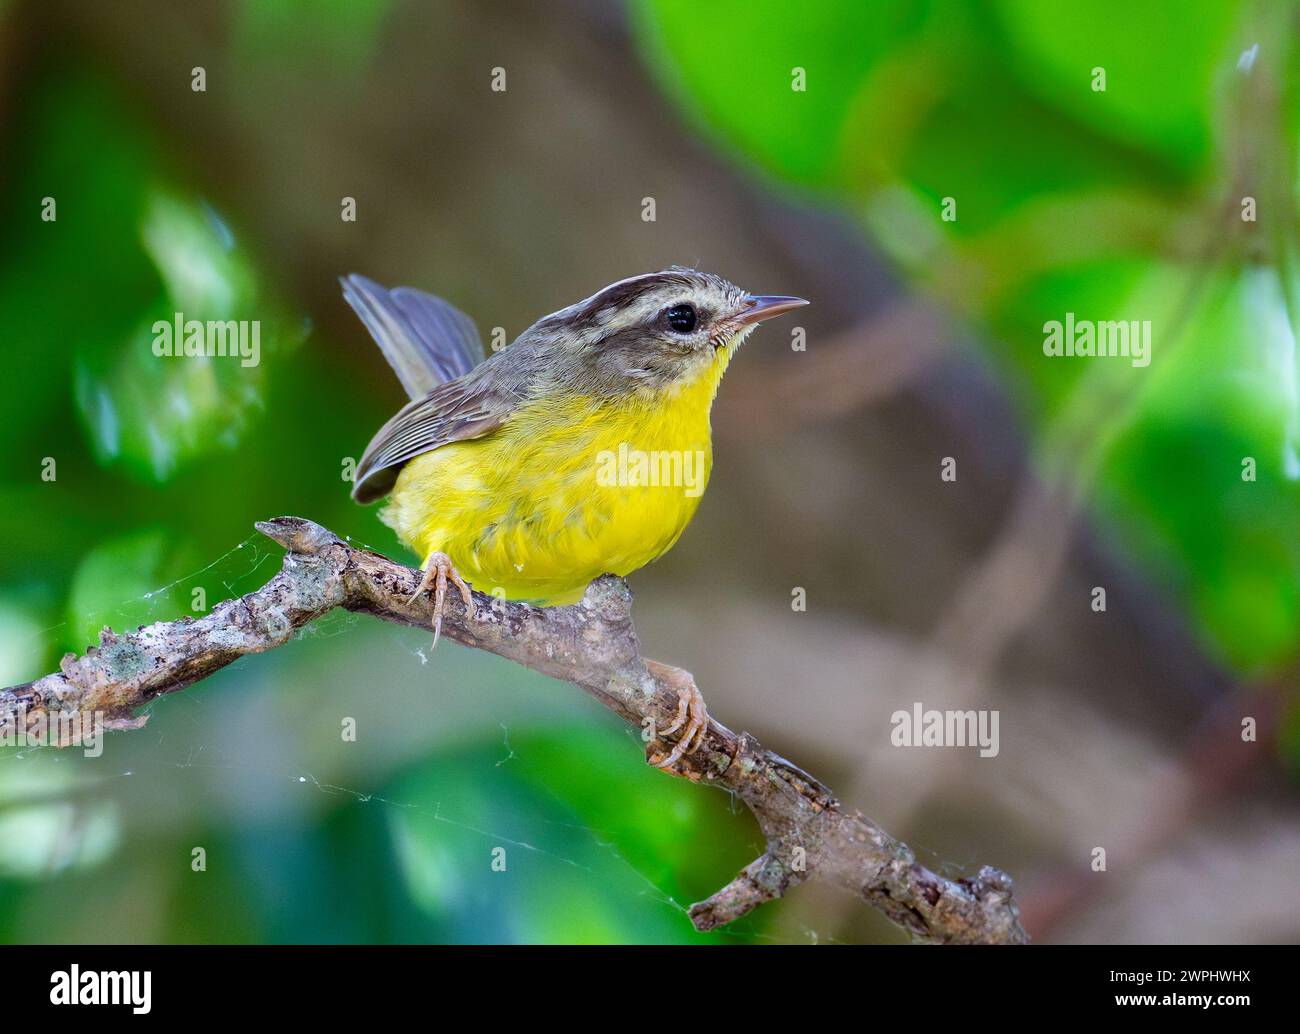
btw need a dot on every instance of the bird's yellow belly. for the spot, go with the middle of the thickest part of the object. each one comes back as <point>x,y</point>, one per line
<point>538,509</point>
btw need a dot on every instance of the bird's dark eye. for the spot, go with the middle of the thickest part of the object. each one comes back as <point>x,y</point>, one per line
<point>682,318</point>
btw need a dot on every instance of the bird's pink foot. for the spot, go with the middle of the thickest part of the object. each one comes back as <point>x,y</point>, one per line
<point>438,569</point>
<point>692,721</point>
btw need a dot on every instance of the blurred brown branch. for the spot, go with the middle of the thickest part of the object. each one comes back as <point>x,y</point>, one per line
<point>853,369</point>
<point>592,644</point>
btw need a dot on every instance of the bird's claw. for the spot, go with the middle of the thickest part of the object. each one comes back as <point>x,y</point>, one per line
<point>692,719</point>
<point>437,570</point>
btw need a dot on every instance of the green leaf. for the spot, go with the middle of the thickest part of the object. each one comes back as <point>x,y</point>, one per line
<point>118,584</point>
<point>583,828</point>
<point>1161,66</point>
<point>732,64</point>
<point>155,412</point>
<point>151,251</point>
<point>1226,394</point>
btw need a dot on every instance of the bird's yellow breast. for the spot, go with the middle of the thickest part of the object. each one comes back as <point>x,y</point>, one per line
<point>568,489</point>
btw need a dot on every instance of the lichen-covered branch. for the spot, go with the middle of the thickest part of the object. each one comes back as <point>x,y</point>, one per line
<point>592,643</point>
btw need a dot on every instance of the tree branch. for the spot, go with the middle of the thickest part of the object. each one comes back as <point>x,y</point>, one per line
<point>592,644</point>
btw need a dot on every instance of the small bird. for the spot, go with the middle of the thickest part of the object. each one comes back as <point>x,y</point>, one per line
<point>580,449</point>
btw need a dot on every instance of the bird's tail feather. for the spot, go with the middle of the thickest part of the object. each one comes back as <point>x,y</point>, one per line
<point>425,340</point>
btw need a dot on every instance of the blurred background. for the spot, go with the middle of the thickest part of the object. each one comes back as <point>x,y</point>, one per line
<point>941,178</point>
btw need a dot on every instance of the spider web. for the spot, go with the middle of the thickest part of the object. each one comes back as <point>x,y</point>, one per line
<point>186,749</point>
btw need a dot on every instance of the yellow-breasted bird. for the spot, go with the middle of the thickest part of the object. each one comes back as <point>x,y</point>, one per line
<point>580,449</point>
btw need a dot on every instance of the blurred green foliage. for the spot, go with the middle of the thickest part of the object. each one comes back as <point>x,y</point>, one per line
<point>1114,204</point>
<point>160,467</point>
<point>613,807</point>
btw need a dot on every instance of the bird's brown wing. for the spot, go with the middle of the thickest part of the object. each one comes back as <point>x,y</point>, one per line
<point>468,407</point>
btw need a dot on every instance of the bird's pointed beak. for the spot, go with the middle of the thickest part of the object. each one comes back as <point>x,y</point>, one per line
<point>760,307</point>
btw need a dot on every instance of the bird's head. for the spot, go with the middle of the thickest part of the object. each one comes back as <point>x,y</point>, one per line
<point>657,330</point>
